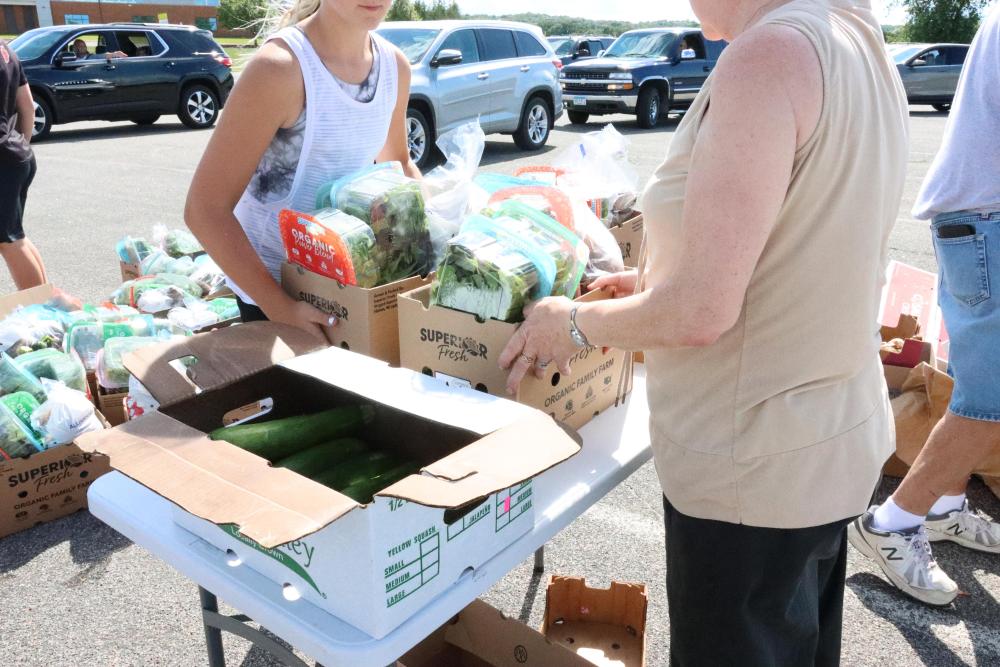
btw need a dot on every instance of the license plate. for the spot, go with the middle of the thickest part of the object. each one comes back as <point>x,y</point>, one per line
<point>579,101</point>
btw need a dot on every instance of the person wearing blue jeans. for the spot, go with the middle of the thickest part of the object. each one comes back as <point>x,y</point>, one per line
<point>961,196</point>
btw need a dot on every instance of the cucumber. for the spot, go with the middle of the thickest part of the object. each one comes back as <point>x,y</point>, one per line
<point>363,491</point>
<point>280,438</point>
<point>317,459</point>
<point>356,469</point>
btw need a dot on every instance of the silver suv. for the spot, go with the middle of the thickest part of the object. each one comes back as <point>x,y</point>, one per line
<point>501,72</point>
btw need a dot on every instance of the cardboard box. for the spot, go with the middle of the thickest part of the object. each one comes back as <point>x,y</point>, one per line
<point>367,317</point>
<point>629,235</point>
<point>481,636</point>
<point>373,566</point>
<point>607,626</point>
<point>459,349</point>
<point>40,294</point>
<point>129,270</point>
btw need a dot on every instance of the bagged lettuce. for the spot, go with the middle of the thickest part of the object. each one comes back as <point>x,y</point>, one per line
<point>131,291</point>
<point>111,371</point>
<point>133,250</point>
<point>32,327</point>
<point>176,242</point>
<point>17,438</point>
<point>55,365</point>
<point>331,243</point>
<point>87,338</point>
<point>14,379</point>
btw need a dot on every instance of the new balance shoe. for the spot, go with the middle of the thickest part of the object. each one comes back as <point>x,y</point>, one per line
<point>905,558</point>
<point>965,527</point>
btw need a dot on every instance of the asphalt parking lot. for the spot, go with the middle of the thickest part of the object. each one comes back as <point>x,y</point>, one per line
<point>75,593</point>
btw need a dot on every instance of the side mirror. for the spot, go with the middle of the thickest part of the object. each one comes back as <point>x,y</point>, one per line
<point>447,57</point>
<point>917,62</point>
<point>688,54</point>
<point>63,59</point>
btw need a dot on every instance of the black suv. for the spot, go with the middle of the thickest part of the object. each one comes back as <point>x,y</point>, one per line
<point>124,71</point>
<point>645,72</point>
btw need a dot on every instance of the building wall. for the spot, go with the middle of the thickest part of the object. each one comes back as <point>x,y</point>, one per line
<point>110,12</point>
<point>16,17</point>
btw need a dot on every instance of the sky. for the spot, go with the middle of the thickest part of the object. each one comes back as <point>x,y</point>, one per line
<point>628,10</point>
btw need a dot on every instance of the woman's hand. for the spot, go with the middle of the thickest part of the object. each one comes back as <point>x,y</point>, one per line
<point>621,284</point>
<point>542,339</point>
<point>300,314</point>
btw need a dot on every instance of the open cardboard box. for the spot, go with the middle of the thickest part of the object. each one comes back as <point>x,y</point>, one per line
<point>367,318</point>
<point>607,626</point>
<point>458,348</point>
<point>52,483</point>
<point>629,236</point>
<point>372,566</point>
<point>481,636</point>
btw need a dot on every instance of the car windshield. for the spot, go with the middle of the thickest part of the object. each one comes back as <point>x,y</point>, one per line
<point>34,43</point>
<point>642,45</point>
<point>901,54</point>
<point>413,42</point>
<point>562,46</point>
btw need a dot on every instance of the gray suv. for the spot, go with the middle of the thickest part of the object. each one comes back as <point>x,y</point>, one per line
<point>503,73</point>
<point>930,72</point>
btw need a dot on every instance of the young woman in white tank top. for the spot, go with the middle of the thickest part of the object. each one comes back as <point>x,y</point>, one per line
<point>324,97</point>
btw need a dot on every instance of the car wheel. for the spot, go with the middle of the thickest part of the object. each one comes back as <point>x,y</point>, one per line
<point>199,107</point>
<point>145,120</point>
<point>578,117</point>
<point>942,107</point>
<point>43,119</point>
<point>649,108</point>
<point>535,125</point>
<point>419,137</point>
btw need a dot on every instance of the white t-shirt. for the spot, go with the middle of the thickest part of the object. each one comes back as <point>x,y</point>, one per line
<point>965,175</point>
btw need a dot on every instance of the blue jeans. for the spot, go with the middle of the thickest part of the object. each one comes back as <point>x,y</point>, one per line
<point>969,295</point>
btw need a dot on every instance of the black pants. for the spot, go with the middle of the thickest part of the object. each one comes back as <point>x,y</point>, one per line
<point>748,597</point>
<point>250,312</point>
<point>16,178</point>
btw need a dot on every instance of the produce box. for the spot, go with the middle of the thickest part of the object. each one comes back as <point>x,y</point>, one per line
<point>456,347</point>
<point>481,636</point>
<point>367,317</point>
<point>372,565</point>
<point>897,368</point>
<point>129,270</point>
<point>40,294</point>
<point>629,235</point>
<point>607,626</point>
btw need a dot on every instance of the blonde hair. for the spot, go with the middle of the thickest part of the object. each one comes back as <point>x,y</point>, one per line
<point>280,14</point>
<point>297,11</point>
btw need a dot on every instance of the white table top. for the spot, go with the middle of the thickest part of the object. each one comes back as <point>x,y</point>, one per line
<point>616,444</point>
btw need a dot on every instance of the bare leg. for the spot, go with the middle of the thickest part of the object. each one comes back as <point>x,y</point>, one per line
<point>954,449</point>
<point>24,262</point>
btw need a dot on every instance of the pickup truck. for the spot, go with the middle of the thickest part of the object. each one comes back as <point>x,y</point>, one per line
<point>646,73</point>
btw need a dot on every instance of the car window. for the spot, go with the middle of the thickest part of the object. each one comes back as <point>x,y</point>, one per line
<point>138,43</point>
<point>932,58</point>
<point>562,46</point>
<point>413,42</point>
<point>606,43</point>
<point>900,54</point>
<point>87,45</point>
<point>695,43</point>
<point>594,46</point>
<point>498,44</point>
<point>642,45</point>
<point>34,43</point>
<point>957,54</point>
<point>464,41</point>
<point>527,45</point>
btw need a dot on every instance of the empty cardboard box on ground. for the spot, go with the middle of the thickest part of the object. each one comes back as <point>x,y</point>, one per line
<point>458,348</point>
<point>49,484</point>
<point>481,636</point>
<point>367,318</point>
<point>373,565</point>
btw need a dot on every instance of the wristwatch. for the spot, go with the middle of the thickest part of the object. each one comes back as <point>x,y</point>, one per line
<point>574,331</point>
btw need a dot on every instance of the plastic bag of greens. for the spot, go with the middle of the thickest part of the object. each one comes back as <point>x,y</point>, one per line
<point>393,206</point>
<point>65,416</point>
<point>196,314</point>
<point>161,299</point>
<point>492,183</point>
<point>23,405</point>
<point>208,273</point>
<point>567,250</point>
<point>87,338</point>
<point>551,201</point>
<point>111,371</point>
<point>131,291</point>
<point>160,262</point>
<point>449,191</point>
<point>133,250</point>
<point>23,332</point>
<point>17,438</point>
<point>105,313</point>
<point>176,242</point>
<point>331,243</point>
<point>55,365</point>
<point>15,379</point>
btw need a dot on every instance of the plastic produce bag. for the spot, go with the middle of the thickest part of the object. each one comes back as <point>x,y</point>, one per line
<point>17,438</point>
<point>131,291</point>
<point>15,379</point>
<point>331,243</point>
<point>196,314</point>
<point>176,242</point>
<point>32,328</point>
<point>65,416</point>
<point>209,274</point>
<point>449,190</point>
<point>133,250</point>
<point>161,299</point>
<point>111,371</point>
<point>551,201</point>
<point>55,365</point>
<point>160,262</point>
<point>87,338</point>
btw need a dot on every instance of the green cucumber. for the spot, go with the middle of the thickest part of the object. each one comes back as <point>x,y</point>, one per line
<point>363,491</point>
<point>280,438</point>
<point>356,469</point>
<point>320,458</point>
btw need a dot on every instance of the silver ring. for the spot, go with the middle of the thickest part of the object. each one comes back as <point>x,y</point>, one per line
<point>529,360</point>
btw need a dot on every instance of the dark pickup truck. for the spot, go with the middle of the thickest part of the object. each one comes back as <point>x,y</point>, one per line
<point>645,72</point>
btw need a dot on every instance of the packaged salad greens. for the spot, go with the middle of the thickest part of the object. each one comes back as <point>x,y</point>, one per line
<point>176,242</point>
<point>87,338</point>
<point>55,365</point>
<point>131,291</point>
<point>331,243</point>
<point>15,379</point>
<point>16,437</point>
<point>111,371</point>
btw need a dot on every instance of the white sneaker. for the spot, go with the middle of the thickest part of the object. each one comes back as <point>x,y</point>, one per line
<point>964,527</point>
<point>905,558</point>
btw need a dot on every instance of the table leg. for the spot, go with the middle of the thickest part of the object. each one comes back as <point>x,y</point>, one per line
<point>213,635</point>
<point>540,559</point>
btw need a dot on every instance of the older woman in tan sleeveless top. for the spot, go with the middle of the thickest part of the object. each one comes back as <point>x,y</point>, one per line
<point>767,235</point>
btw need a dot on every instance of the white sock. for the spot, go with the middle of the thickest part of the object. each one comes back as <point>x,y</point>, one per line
<point>947,504</point>
<point>891,517</point>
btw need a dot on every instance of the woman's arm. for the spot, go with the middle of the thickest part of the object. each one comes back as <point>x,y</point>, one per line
<point>397,145</point>
<point>25,112</point>
<point>268,95</point>
<point>739,175</point>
